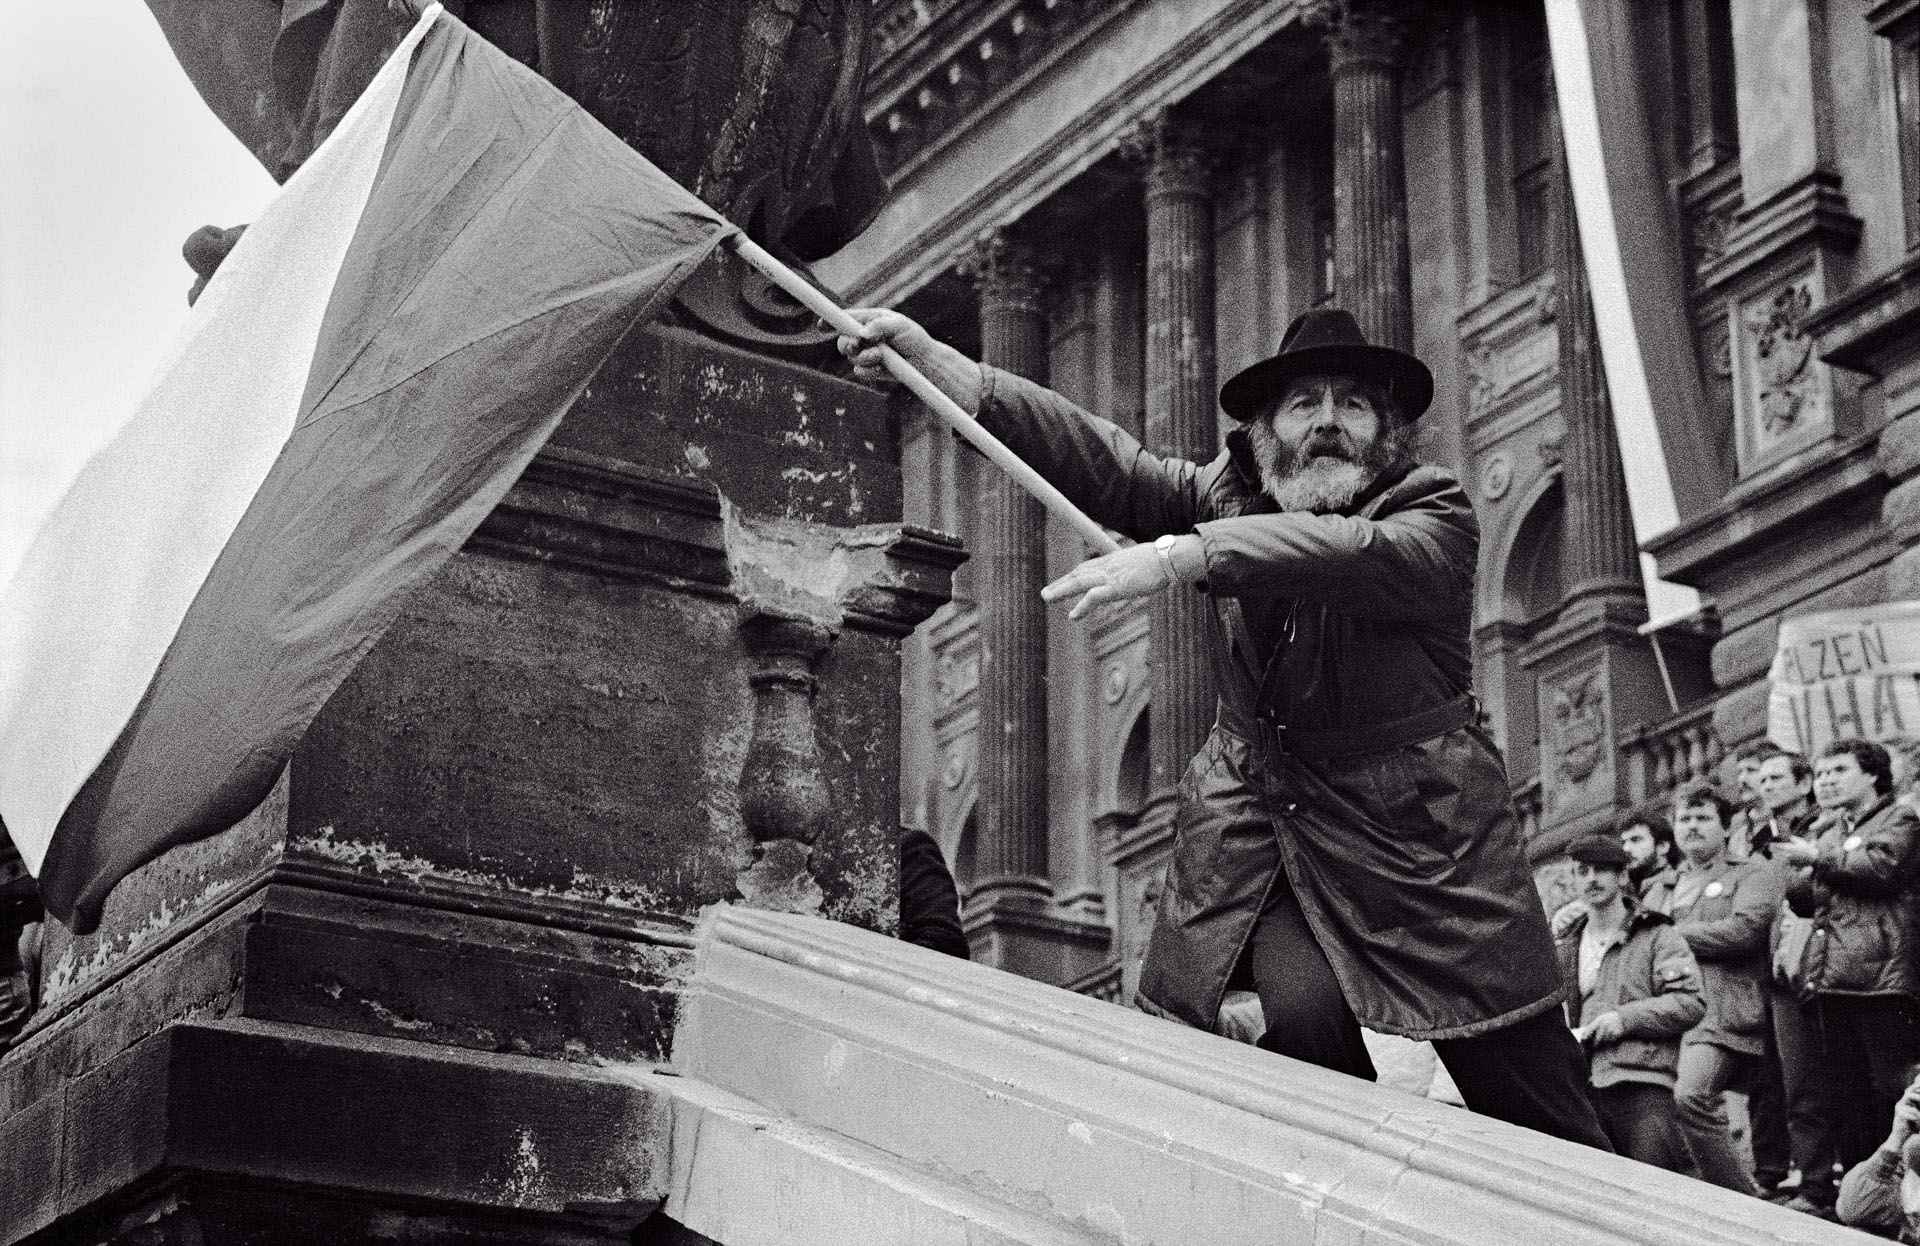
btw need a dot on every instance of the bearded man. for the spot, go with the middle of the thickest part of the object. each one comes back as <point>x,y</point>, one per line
<point>1345,838</point>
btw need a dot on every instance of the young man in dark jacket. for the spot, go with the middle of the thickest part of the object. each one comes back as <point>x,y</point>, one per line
<point>1785,782</point>
<point>1723,909</point>
<point>1347,830</point>
<point>1856,879</point>
<point>1638,991</point>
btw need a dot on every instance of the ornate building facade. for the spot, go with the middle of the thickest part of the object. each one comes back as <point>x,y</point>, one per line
<point>1129,201</point>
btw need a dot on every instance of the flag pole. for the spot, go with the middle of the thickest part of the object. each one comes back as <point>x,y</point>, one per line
<point>946,408</point>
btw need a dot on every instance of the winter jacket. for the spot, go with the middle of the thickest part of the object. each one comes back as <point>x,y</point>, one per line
<point>1860,893</point>
<point>1649,978</point>
<point>1727,926</point>
<point>1869,1197</point>
<point>1346,761</point>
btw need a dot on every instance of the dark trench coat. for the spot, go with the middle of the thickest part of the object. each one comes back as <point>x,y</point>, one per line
<point>1347,761</point>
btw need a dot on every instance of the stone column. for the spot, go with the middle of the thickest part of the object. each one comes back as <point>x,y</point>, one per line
<point>1599,552</point>
<point>1181,397</point>
<point>1010,570</point>
<point>1367,43</point>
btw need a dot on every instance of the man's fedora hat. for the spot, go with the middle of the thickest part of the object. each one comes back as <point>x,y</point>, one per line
<point>1327,342</point>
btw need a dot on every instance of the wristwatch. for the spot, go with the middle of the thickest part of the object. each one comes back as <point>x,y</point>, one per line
<point>1163,545</point>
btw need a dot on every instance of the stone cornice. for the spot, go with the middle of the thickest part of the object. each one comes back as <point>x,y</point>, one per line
<point>609,517</point>
<point>1810,213</point>
<point>897,256</point>
<point>600,514</point>
<point>1869,328</point>
<point>964,63</point>
<point>1761,509</point>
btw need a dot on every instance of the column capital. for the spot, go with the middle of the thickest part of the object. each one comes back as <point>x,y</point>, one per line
<point>1376,33</point>
<point>1007,271</point>
<point>1172,154</point>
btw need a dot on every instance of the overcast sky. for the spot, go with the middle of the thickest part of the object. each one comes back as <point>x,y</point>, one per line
<point>108,160</point>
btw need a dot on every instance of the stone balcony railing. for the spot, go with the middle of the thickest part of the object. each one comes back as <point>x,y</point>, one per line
<point>1660,756</point>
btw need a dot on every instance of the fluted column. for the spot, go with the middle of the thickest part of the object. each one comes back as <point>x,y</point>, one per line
<point>1599,553</point>
<point>1367,45</point>
<point>1181,397</point>
<point>1010,570</point>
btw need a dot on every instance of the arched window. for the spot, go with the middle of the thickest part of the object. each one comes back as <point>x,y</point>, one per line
<point>1132,784</point>
<point>963,855</point>
<point>1534,581</point>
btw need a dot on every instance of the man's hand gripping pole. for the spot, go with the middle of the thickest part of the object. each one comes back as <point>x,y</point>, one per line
<point>946,408</point>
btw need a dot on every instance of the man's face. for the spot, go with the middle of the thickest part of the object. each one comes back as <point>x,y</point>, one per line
<point>1699,832</point>
<point>1639,843</point>
<point>1748,771</point>
<point>1777,785</point>
<point>1318,446</point>
<point>1839,783</point>
<point>1600,885</point>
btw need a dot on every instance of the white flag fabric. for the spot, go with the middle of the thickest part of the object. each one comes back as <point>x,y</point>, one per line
<point>368,372</point>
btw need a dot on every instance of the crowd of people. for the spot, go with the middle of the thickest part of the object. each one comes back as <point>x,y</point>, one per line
<point>1763,940</point>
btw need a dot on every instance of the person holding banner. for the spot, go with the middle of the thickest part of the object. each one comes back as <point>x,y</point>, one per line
<point>1345,840</point>
<point>1856,879</point>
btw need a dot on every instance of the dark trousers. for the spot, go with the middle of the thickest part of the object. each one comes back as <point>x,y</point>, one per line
<point>1804,1083</point>
<point>1530,1073</point>
<point>1639,1121</point>
<point>1764,1083</point>
<point>1870,1041</point>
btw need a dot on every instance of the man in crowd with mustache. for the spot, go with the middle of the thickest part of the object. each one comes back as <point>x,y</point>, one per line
<point>1344,843</point>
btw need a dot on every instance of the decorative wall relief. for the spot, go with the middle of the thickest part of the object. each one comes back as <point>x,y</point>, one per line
<point>1579,727</point>
<point>1577,738</point>
<point>1783,396</point>
<point>1496,475</point>
<point>956,676</point>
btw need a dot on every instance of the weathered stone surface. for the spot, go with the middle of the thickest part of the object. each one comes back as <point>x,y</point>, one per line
<point>497,834</point>
<point>1120,1126</point>
<point>1900,447</point>
<point>375,1122</point>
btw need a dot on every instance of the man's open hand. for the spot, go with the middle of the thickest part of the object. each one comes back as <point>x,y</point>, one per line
<point>1136,571</point>
<point>1606,1028</point>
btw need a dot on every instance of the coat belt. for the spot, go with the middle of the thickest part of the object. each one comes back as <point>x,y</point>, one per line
<point>1328,744</point>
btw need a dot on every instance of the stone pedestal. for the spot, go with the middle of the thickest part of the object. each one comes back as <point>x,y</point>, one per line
<point>664,675</point>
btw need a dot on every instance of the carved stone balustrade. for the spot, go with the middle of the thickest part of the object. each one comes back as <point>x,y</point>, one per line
<point>1660,756</point>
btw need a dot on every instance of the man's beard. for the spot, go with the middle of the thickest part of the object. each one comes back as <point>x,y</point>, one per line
<point>1327,472</point>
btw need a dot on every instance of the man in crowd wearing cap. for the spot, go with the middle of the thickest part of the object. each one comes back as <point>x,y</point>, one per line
<point>1638,992</point>
<point>1345,838</point>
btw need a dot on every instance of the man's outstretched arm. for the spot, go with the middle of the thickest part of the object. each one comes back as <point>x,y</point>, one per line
<point>1099,466</point>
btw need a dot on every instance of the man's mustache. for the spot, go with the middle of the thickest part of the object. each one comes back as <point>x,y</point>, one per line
<point>1328,446</point>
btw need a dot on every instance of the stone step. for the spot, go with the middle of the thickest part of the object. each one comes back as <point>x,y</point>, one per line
<point>744,1176</point>
<point>1139,1130</point>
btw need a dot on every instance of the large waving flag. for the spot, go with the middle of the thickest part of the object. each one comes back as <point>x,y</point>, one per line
<point>368,373</point>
